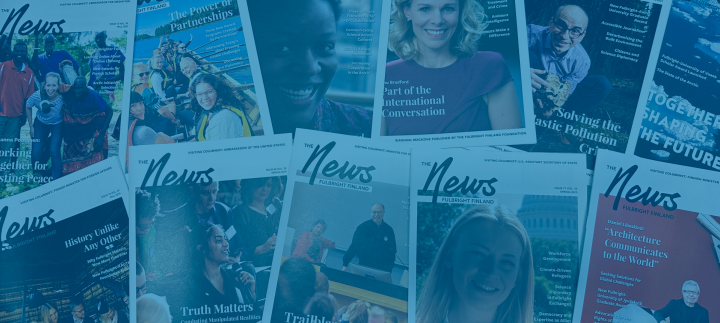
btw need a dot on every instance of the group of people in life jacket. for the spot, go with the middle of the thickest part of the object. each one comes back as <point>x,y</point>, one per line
<point>160,90</point>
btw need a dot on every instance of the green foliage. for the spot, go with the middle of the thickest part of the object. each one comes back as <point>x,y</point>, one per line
<point>121,42</point>
<point>143,37</point>
<point>434,222</point>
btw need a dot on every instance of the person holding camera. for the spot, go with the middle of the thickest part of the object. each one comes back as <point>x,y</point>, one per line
<point>46,128</point>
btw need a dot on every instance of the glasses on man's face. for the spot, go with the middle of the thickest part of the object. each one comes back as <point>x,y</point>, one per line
<point>79,311</point>
<point>377,212</point>
<point>691,292</point>
<point>143,74</point>
<point>559,26</point>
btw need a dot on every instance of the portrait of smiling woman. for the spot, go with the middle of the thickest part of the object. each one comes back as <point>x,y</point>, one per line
<point>296,42</point>
<point>463,89</point>
<point>482,273</point>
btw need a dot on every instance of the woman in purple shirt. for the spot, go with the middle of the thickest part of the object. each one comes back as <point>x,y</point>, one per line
<point>442,84</point>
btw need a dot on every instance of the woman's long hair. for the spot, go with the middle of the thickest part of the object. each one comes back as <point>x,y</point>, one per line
<point>464,42</point>
<point>438,292</point>
<point>45,312</point>
<point>225,93</point>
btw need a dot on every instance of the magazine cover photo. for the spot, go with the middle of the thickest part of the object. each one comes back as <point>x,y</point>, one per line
<point>637,273</point>
<point>191,75</point>
<point>319,62</point>
<point>60,278</point>
<point>205,249</point>
<point>347,238</point>
<point>533,241</point>
<point>588,62</point>
<point>652,248</point>
<point>61,90</point>
<point>680,121</point>
<point>455,71</point>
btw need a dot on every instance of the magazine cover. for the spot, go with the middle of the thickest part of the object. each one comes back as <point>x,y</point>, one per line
<point>589,70</point>
<point>344,234</point>
<point>319,62</point>
<point>494,235</point>
<point>651,248</point>
<point>191,75</point>
<point>208,216</point>
<point>65,250</point>
<point>62,75</point>
<point>457,74</point>
<point>681,117</point>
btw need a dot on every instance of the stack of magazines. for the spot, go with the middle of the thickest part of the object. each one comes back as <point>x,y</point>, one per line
<point>359,161</point>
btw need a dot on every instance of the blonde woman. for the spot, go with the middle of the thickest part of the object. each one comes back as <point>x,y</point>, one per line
<point>441,83</point>
<point>48,313</point>
<point>483,272</point>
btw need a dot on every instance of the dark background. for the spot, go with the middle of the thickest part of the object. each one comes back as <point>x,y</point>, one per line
<point>60,273</point>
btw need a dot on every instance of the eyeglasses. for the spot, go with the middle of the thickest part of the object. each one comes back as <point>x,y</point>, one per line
<point>377,212</point>
<point>143,74</point>
<point>559,26</point>
<point>691,292</point>
<point>206,93</point>
<point>80,311</point>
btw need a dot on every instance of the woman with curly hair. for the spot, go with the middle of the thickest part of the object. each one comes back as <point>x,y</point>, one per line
<point>218,113</point>
<point>437,42</point>
<point>482,273</point>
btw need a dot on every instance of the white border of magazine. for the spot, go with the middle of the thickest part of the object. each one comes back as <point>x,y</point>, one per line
<point>528,115</point>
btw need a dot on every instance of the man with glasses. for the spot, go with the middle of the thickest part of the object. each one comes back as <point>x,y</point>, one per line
<point>685,310</point>
<point>556,49</point>
<point>77,311</point>
<point>373,242</point>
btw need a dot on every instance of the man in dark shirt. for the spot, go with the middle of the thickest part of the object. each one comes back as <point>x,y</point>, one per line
<point>373,242</point>
<point>685,310</point>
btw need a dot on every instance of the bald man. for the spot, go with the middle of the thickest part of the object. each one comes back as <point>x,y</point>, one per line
<point>556,49</point>
<point>373,242</point>
<point>189,68</point>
